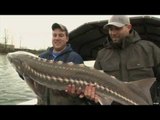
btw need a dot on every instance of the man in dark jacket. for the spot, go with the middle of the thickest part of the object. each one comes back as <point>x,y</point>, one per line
<point>61,51</point>
<point>127,57</point>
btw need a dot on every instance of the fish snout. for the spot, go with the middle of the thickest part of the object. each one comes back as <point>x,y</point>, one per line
<point>9,57</point>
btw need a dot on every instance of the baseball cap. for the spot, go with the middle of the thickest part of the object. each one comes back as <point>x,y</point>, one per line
<point>62,27</point>
<point>118,21</point>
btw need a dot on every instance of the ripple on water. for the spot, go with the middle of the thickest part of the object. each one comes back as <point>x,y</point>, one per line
<point>13,89</point>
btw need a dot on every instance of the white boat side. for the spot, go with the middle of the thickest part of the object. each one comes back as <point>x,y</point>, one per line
<point>29,102</point>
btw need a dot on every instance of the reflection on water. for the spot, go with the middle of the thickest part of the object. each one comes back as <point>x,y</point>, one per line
<point>13,89</point>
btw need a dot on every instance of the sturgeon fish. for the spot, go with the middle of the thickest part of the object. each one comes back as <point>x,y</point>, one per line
<point>57,75</point>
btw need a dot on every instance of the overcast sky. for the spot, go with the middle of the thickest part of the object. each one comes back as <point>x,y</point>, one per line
<point>34,31</point>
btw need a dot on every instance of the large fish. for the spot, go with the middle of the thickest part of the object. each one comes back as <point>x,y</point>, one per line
<point>57,75</point>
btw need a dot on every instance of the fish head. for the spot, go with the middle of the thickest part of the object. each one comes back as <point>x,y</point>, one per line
<point>17,60</point>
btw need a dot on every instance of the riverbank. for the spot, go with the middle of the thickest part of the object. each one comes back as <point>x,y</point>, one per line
<point>6,51</point>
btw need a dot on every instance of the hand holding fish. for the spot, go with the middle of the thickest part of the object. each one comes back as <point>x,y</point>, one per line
<point>89,92</point>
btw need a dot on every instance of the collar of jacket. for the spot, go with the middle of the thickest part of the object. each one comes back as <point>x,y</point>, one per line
<point>67,49</point>
<point>132,38</point>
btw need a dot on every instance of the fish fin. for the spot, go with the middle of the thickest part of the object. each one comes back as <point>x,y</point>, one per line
<point>104,100</point>
<point>144,85</point>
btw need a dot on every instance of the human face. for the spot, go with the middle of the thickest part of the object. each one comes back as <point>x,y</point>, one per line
<point>117,34</point>
<point>59,39</point>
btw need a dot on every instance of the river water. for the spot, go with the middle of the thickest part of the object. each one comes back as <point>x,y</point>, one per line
<point>13,90</point>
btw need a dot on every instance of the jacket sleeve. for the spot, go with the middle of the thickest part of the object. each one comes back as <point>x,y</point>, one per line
<point>156,58</point>
<point>156,55</point>
<point>155,89</point>
<point>78,60</point>
<point>97,62</point>
<point>74,57</point>
<point>156,69</point>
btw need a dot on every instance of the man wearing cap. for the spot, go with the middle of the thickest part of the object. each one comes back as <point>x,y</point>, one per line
<point>60,51</point>
<point>127,57</point>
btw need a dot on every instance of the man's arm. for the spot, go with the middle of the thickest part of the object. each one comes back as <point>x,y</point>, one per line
<point>155,89</point>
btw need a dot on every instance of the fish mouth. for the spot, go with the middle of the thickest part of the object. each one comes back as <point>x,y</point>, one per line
<point>9,57</point>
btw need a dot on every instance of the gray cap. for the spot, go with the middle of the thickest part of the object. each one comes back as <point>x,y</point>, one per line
<point>118,21</point>
<point>62,27</point>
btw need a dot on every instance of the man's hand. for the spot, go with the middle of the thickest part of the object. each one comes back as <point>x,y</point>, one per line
<point>71,89</point>
<point>89,92</point>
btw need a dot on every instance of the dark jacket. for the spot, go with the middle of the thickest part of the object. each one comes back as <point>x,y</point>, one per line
<point>134,59</point>
<point>47,96</point>
<point>68,55</point>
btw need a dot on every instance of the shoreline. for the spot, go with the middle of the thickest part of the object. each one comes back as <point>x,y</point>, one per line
<point>6,51</point>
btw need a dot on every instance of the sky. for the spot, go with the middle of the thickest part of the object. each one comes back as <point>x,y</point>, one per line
<point>34,31</point>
